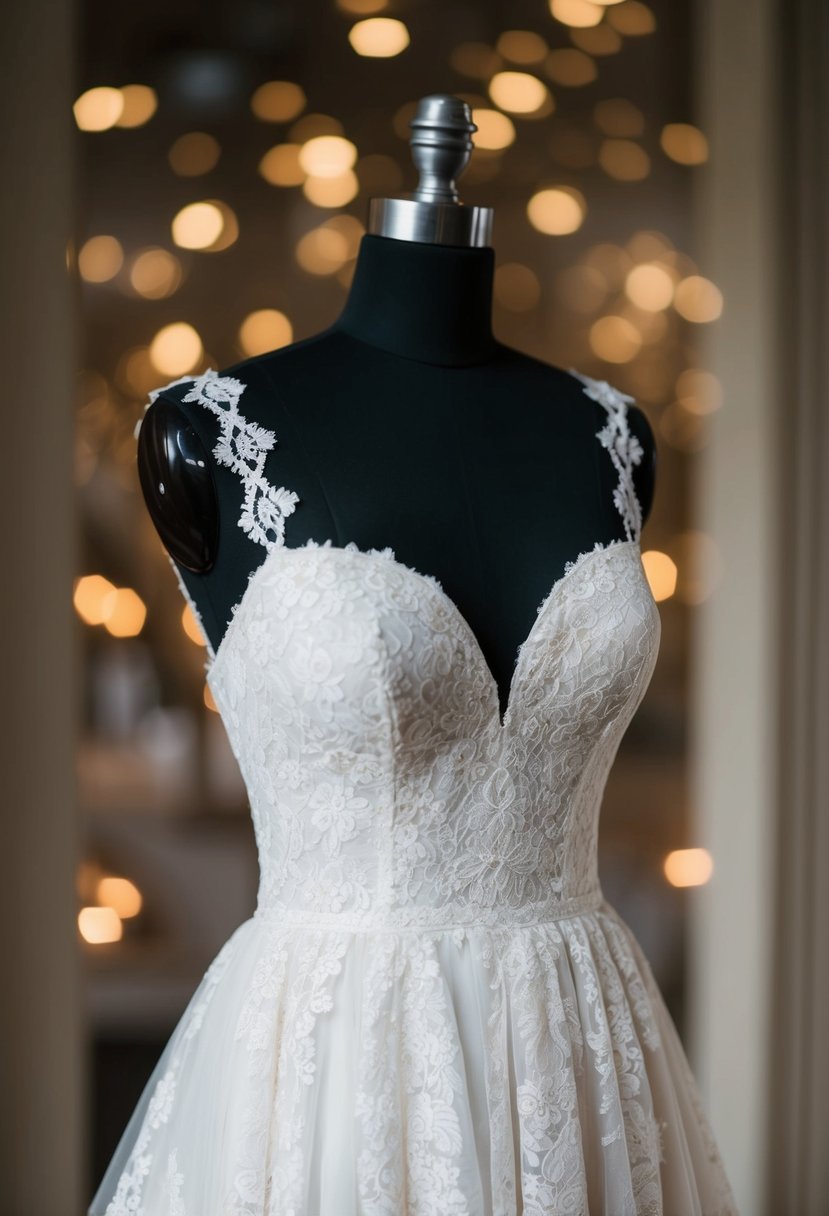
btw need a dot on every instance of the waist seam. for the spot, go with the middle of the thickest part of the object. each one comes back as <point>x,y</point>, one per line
<point>379,922</point>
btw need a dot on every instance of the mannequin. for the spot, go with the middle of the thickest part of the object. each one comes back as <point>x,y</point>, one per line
<point>405,424</point>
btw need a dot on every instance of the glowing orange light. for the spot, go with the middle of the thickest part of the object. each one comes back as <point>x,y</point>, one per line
<point>176,349</point>
<point>264,330</point>
<point>100,258</point>
<point>518,92</point>
<point>688,867</point>
<point>578,14</point>
<point>121,895</point>
<point>661,573</point>
<point>139,105</point>
<point>125,613</point>
<point>98,109</point>
<point>557,211</point>
<point>91,598</point>
<point>100,925</point>
<point>280,165</point>
<point>379,37</point>
<point>194,154</point>
<point>278,101</point>
<point>495,130</point>
<point>331,191</point>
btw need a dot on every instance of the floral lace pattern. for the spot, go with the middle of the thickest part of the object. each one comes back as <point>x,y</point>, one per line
<point>242,447</point>
<point>433,1008</point>
<point>624,448</point>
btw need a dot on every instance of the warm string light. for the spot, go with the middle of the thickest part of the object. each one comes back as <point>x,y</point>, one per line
<point>379,37</point>
<point>119,609</point>
<point>104,107</point>
<point>688,867</point>
<point>636,301</point>
<point>116,899</point>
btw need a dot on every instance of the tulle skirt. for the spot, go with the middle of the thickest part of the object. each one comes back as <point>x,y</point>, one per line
<point>513,1071</point>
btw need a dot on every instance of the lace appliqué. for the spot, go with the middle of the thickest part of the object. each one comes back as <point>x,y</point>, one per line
<point>624,448</point>
<point>128,1197</point>
<point>242,447</point>
<point>432,971</point>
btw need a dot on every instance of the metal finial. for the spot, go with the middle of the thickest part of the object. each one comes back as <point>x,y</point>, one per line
<point>441,144</point>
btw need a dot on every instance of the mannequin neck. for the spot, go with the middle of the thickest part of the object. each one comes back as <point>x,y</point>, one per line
<point>431,303</point>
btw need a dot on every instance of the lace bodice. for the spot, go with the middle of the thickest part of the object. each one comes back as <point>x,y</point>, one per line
<point>385,787</point>
<point>432,1010</point>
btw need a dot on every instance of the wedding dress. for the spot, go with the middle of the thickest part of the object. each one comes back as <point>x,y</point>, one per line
<point>433,1010</point>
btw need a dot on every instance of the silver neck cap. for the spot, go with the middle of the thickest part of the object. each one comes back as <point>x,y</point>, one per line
<point>441,144</point>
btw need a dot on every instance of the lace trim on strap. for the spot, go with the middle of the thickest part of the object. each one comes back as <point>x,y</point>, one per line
<point>242,447</point>
<point>624,448</point>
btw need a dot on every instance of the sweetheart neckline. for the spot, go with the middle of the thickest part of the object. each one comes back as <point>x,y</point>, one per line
<point>387,555</point>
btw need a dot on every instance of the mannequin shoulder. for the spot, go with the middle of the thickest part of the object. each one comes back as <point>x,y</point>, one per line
<point>175,469</point>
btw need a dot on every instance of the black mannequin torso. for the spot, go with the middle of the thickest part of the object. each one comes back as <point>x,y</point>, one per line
<point>404,424</point>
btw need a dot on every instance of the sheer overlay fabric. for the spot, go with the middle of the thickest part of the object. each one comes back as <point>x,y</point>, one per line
<point>433,1010</point>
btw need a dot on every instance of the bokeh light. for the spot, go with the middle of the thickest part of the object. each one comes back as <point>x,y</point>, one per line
<point>99,926</point>
<point>332,191</point>
<point>100,258</point>
<point>98,109</point>
<point>570,67</point>
<point>518,92</point>
<point>521,46</point>
<point>155,273</point>
<point>624,160</point>
<point>661,573</point>
<point>121,895</point>
<point>194,154</point>
<point>379,37</point>
<point>264,330</point>
<point>633,18</point>
<point>125,613</point>
<point>583,288</point>
<point>684,143</point>
<point>135,373</point>
<point>209,226</point>
<point>280,165</point>
<point>176,349</point>
<point>139,104</point>
<point>278,101</point>
<point>618,116</point>
<point>615,339</point>
<point>597,40</point>
<point>557,211</point>
<point>191,626</point>
<point>327,156</point>
<point>688,867</point>
<point>650,287</point>
<point>323,250</point>
<point>495,130</point>
<point>475,59</point>
<point>699,391</point>
<point>91,598</point>
<point>360,8</point>
<point>698,299</point>
<point>576,13</point>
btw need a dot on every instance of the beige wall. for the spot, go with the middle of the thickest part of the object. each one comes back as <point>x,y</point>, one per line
<point>40,1040</point>
<point>761,706</point>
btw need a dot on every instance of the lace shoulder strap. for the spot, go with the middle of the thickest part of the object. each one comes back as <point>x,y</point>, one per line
<point>624,448</point>
<point>242,447</point>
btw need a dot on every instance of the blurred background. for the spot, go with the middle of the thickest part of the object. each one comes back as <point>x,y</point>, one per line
<point>187,185</point>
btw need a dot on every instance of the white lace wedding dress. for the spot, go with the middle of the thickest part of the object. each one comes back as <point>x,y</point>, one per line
<point>433,1010</point>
